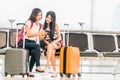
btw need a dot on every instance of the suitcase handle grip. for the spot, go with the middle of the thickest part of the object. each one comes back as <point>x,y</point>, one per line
<point>65,24</point>
<point>20,24</point>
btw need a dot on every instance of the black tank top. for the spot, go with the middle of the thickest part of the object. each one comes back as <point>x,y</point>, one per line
<point>48,35</point>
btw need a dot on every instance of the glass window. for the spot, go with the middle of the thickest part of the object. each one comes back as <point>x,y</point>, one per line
<point>106,14</point>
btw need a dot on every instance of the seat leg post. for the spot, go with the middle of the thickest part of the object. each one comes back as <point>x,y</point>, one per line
<point>81,65</point>
<point>116,67</point>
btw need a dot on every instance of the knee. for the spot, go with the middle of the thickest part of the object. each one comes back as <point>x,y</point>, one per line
<point>50,46</point>
<point>37,46</point>
<point>55,46</point>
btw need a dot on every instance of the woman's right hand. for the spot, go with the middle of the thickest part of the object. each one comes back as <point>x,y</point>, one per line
<point>41,34</point>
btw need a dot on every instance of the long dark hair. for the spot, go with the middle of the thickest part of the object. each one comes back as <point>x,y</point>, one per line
<point>34,13</point>
<point>52,24</point>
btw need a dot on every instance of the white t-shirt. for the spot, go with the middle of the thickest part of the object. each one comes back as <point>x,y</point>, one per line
<point>34,29</point>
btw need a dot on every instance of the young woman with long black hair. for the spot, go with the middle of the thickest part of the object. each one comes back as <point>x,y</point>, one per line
<point>52,39</point>
<point>32,36</point>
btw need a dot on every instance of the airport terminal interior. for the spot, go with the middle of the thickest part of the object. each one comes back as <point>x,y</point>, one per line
<point>90,28</point>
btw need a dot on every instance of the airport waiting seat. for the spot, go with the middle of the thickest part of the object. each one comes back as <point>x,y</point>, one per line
<point>105,44</point>
<point>80,40</point>
<point>118,40</point>
<point>3,42</point>
<point>12,38</point>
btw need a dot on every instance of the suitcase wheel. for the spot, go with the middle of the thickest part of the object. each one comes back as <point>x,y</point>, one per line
<point>12,75</point>
<point>23,75</point>
<point>61,75</point>
<point>68,75</point>
<point>6,74</point>
<point>73,75</point>
<point>79,74</point>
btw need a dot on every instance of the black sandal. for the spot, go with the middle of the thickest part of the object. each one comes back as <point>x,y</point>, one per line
<point>40,71</point>
<point>30,75</point>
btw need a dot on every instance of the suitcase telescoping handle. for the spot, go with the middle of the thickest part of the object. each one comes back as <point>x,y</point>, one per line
<point>22,25</point>
<point>67,30</point>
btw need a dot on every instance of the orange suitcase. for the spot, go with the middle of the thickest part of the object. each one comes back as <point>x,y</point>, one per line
<point>69,61</point>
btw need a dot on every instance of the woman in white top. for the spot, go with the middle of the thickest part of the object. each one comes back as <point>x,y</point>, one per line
<point>32,37</point>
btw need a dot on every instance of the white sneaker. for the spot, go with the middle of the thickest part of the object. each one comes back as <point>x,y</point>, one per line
<point>47,70</point>
<point>54,74</point>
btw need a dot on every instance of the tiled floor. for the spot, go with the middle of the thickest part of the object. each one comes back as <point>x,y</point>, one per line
<point>91,70</point>
<point>83,77</point>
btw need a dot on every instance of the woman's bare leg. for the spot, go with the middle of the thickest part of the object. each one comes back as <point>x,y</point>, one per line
<point>49,54</point>
<point>55,47</point>
<point>53,56</point>
<point>53,61</point>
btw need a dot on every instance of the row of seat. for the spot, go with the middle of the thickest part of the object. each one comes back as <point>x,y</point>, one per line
<point>102,44</point>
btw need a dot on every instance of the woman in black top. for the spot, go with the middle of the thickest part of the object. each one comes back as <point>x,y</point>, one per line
<point>52,39</point>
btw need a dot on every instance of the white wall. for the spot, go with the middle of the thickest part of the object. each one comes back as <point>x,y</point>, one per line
<point>106,12</point>
<point>67,11</point>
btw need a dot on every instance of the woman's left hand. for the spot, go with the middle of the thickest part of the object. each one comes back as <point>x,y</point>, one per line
<point>54,41</point>
<point>57,43</point>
